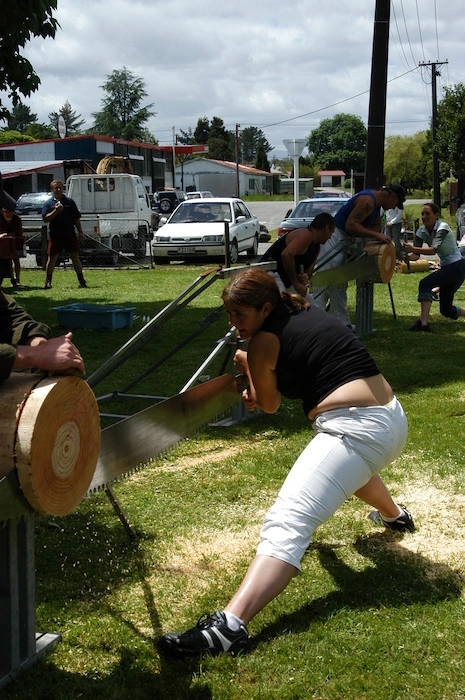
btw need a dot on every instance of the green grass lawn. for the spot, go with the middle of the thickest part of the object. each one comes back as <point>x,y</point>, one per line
<point>373,614</point>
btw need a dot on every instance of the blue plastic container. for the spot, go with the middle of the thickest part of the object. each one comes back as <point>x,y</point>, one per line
<point>99,317</point>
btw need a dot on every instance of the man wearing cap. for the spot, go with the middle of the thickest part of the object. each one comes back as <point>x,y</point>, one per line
<point>360,217</point>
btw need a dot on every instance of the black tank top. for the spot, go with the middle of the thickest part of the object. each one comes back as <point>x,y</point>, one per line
<point>305,260</point>
<point>317,354</point>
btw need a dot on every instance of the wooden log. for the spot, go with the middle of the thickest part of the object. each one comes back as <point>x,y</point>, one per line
<point>376,263</point>
<point>49,433</point>
<point>385,259</point>
<point>414,266</point>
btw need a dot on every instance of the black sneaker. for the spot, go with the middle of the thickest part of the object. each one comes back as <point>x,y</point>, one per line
<point>211,635</point>
<point>418,328</point>
<point>48,284</point>
<point>401,524</point>
<point>82,283</point>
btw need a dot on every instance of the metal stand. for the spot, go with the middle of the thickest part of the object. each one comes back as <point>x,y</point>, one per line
<point>364,308</point>
<point>20,645</point>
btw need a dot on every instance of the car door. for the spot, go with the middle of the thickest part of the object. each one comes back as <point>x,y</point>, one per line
<point>246,226</point>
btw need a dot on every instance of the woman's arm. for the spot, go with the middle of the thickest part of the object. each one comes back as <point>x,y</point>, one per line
<point>417,248</point>
<point>259,363</point>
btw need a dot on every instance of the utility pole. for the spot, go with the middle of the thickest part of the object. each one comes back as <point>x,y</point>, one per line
<point>374,160</point>
<point>174,156</point>
<point>434,124</point>
<point>238,188</point>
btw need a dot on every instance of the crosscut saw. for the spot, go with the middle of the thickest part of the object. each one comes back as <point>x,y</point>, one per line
<point>128,444</point>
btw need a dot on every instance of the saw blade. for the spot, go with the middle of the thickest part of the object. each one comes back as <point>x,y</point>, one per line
<point>129,443</point>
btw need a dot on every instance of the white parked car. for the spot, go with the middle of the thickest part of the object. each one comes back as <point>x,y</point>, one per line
<point>196,230</point>
<point>204,194</point>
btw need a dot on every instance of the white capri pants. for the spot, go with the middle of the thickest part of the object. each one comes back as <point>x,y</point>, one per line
<point>350,446</point>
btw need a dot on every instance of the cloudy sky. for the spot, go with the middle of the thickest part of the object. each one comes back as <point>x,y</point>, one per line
<point>280,66</point>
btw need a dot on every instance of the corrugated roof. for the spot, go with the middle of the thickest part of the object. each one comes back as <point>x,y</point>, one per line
<point>243,168</point>
<point>25,167</point>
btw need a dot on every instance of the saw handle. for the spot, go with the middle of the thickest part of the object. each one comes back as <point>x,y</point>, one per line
<point>242,382</point>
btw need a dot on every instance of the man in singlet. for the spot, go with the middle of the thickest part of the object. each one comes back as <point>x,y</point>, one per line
<point>296,252</point>
<point>360,217</point>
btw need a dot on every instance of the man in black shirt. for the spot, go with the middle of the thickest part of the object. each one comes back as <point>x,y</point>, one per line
<point>63,217</point>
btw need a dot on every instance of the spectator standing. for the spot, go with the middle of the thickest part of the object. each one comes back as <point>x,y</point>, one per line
<point>11,225</point>
<point>393,228</point>
<point>63,217</point>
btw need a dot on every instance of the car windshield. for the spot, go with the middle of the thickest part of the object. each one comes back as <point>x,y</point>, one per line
<point>196,211</point>
<point>308,210</point>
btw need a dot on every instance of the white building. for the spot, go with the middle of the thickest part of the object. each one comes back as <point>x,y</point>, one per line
<point>222,178</point>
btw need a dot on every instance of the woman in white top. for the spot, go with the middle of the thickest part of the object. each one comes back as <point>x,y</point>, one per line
<point>440,240</point>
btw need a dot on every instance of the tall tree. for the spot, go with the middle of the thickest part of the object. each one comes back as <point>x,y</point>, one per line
<point>20,117</point>
<point>261,161</point>
<point>185,137</point>
<point>220,142</point>
<point>72,121</point>
<point>202,130</point>
<point>122,115</point>
<point>251,139</point>
<point>339,143</point>
<point>20,22</point>
<point>450,133</point>
<point>219,148</point>
<point>403,160</point>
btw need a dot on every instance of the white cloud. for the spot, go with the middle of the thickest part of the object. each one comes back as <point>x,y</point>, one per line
<point>253,63</point>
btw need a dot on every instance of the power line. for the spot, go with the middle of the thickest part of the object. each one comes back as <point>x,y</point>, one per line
<point>400,40</point>
<point>406,31</point>
<point>419,31</point>
<point>334,104</point>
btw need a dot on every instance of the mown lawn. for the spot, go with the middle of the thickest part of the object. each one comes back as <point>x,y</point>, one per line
<point>373,614</point>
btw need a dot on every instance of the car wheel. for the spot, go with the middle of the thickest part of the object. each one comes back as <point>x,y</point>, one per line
<point>234,253</point>
<point>253,251</point>
<point>165,206</point>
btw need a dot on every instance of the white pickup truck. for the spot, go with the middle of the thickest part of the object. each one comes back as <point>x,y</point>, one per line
<point>116,217</point>
<point>115,213</point>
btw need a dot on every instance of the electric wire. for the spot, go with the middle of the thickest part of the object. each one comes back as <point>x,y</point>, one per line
<point>419,31</point>
<point>406,63</point>
<point>406,31</point>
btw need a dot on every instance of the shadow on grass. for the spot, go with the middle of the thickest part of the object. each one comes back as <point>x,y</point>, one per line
<point>79,560</point>
<point>402,355</point>
<point>127,681</point>
<point>399,578</point>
